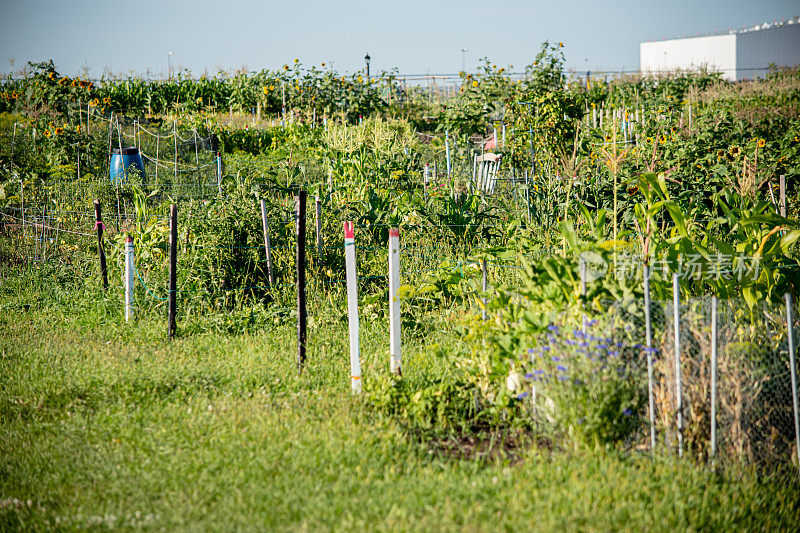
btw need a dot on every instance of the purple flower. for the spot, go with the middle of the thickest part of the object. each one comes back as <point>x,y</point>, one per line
<point>563,378</point>
<point>627,411</point>
<point>522,395</point>
<point>562,368</point>
<point>553,328</point>
<point>556,358</point>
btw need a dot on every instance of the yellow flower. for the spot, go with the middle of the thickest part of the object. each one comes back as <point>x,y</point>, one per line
<point>199,99</point>
<point>360,79</point>
<point>271,87</point>
<point>265,89</point>
<point>14,94</point>
<point>52,75</point>
<point>674,129</point>
<point>296,61</point>
<point>107,100</point>
<point>59,131</point>
<point>286,67</point>
<point>474,83</point>
<point>322,64</point>
<point>47,133</point>
<point>561,45</point>
<point>761,143</point>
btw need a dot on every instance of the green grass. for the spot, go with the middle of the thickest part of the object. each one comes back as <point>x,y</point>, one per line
<point>106,425</point>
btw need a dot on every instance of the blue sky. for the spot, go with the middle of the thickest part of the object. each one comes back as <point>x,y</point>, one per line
<point>415,36</point>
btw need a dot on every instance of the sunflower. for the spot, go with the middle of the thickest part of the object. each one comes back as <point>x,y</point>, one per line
<point>265,89</point>
<point>761,143</point>
<point>720,154</point>
<point>59,130</point>
<point>360,79</point>
<point>736,151</point>
<point>107,100</point>
<point>322,64</point>
<point>296,61</point>
<point>94,102</point>
<point>271,87</point>
<point>561,45</point>
<point>674,129</point>
<point>286,67</point>
<point>474,83</point>
<point>51,75</point>
<point>199,99</point>
<point>47,133</point>
<point>74,83</point>
<point>14,95</point>
<point>663,139</point>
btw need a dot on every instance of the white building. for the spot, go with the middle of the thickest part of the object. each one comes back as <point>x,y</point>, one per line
<point>741,54</point>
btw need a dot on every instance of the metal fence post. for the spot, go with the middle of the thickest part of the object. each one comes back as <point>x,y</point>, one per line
<point>649,338</point>
<point>793,364</point>
<point>677,327</point>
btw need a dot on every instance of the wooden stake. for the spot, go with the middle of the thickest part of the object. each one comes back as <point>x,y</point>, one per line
<point>318,222</point>
<point>301,279</point>
<point>98,224</point>
<point>173,269</point>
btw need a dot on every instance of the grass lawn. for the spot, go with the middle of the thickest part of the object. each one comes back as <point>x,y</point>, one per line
<point>105,425</point>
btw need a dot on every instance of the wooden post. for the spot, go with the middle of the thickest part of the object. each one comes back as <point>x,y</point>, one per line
<point>267,246</point>
<point>301,279</point>
<point>98,225</point>
<point>173,269</point>
<point>318,222</point>
<point>394,302</point>
<point>352,306</point>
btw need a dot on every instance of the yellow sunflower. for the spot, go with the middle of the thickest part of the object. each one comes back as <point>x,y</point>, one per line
<point>761,143</point>
<point>47,133</point>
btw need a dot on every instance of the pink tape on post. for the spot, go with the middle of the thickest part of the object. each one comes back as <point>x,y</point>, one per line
<point>348,230</point>
<point>394,232</point>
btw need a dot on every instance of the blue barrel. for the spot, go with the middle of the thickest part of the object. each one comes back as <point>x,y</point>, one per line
<point>126,165</point>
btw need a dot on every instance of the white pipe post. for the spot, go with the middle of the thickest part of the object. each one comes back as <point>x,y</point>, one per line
<point>649,341</point>
<point>484,286</point>
<point>352,306</point>
<point>425,180</point>
<point>219,174</point>
<point>793,364</point>
<point>713,377</point>
<point>782,185</point>
<point>447,150</point>
<point>676,317</point>
<point>128,278</point>
<point>394,302</point>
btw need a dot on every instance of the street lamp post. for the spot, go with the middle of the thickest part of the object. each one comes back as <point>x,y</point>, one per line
<point>464,60</point>
<point>366,60</point>
<point>169,65</point>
